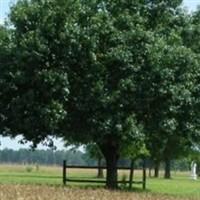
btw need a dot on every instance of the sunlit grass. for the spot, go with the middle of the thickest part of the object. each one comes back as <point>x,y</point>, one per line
<point>180,185</point>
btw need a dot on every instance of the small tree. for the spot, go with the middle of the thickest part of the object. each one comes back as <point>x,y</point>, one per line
<point>95,153</point>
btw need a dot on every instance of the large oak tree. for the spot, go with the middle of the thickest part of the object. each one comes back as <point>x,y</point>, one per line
<point>110,72</point>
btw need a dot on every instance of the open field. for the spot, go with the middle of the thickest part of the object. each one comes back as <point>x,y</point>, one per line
<point>49,175</point>
<point>26,181</point>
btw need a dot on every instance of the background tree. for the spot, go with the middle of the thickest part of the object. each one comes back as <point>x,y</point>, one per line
<point>173,80</point>
<point>94,152</point>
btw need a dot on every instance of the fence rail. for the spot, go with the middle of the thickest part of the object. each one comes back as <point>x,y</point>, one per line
<point>130,181</point>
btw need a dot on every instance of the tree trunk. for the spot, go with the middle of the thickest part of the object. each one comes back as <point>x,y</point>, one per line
<point>167,169</point>
<point>156,170</point>
<point>111,156</point>
<point>150,172</point>
<point>100,170</point>
<point>111,176</point>
<point>131,174</point>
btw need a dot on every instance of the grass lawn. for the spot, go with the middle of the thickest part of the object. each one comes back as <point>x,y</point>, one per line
<point>180,185</point>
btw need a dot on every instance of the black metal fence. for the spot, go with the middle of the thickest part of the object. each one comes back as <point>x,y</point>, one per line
<point>130,181</point>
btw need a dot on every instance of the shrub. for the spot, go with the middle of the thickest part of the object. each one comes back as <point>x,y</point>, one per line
<point>124,177</point>
<point>29,169</point>
<point>37,167</point>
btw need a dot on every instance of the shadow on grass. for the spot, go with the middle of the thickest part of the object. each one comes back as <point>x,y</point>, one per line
<point>102,186</point>
<point>77,184</point>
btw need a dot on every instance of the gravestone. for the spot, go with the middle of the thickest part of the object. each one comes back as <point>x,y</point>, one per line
<point>193,170</point>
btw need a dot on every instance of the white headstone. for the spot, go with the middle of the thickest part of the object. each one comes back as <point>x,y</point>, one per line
<point>193,170</point>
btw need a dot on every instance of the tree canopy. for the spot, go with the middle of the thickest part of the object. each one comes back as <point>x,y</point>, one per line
<point>115,73</point>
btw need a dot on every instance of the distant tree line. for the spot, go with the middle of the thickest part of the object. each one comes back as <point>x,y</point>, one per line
<point>51,157</point>
<point>43,157</point>
<point>73,157</point>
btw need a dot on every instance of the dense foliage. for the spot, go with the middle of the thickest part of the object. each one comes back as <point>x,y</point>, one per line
<point>116,73</point>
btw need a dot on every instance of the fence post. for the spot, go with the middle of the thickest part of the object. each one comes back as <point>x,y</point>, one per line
<point>64,172</point>
<point>144,174</point>
<point>131,174</point>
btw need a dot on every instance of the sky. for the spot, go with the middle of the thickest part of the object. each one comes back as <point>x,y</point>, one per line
<point>5,4</point>
<point>6,142</point>
<point>191,4</point>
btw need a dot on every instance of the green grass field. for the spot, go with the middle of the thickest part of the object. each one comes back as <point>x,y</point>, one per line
<point>180,185</point>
